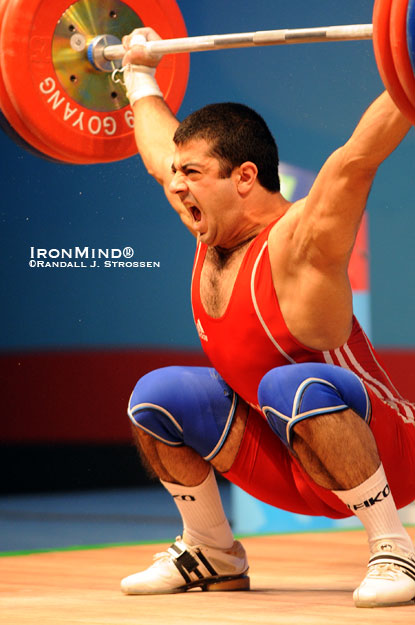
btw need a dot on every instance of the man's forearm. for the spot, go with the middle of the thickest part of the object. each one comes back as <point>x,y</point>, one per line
<point>154,127</point>
<point>379,132</point>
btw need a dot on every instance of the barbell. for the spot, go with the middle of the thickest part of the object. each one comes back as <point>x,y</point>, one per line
<point>57,97</point>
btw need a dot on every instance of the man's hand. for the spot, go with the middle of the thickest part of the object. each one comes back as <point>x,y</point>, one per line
<point>137,54</point>
<point>139,65</point>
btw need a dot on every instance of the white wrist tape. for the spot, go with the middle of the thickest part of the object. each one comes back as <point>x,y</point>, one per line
<point>140,82</point>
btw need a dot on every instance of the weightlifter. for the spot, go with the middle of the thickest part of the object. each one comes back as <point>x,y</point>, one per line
<point>296,408</point>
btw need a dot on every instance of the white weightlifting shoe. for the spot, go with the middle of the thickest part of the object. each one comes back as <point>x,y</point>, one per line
<point>390,580</point>
<point>183,567</point>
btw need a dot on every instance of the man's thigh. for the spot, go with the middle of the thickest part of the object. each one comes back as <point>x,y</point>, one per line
<point>264,468</point>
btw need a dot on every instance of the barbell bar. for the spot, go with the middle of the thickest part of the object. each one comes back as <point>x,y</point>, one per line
<point>352,32</point>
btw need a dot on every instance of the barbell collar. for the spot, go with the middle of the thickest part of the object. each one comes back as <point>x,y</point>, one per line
<point>353,32</point>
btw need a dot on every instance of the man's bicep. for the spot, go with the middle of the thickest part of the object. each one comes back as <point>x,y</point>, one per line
<point>338,197</point>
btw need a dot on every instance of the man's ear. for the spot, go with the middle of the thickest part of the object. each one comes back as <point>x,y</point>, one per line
<point>247,174</point>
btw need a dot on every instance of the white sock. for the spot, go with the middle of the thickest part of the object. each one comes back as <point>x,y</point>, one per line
<point>201,509</point>
<point>374,506</point>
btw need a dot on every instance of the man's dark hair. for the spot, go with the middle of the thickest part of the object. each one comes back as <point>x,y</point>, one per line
<point>236,134</point>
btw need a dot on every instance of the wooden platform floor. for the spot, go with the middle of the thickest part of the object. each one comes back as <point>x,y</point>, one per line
<point>302,579</point>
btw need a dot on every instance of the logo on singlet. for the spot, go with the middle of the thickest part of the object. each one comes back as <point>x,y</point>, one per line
<point>201,331</point>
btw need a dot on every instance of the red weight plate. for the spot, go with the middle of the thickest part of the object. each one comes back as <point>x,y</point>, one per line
<point>70,127</point>
<point>384,59</point>
<point>410,32</point>
<point>399,48</point>
<point>12,118</point>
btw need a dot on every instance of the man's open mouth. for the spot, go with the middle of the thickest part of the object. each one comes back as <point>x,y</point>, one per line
<point>197,216</point>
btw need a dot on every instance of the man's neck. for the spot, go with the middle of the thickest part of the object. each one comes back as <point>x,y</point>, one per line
<point>262,209</point>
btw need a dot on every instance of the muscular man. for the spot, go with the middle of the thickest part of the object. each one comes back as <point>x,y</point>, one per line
<point>297,409</point>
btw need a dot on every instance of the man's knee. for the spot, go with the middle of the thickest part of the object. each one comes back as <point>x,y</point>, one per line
<point>294,393</point>
<point>190,406</point>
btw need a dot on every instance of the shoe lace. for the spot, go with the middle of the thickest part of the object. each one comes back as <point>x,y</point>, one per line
<point>386,570</point>
<point>161,555</point>
<point>164,555</point>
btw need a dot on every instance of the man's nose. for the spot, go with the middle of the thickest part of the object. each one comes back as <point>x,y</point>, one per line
<point>177,184</point>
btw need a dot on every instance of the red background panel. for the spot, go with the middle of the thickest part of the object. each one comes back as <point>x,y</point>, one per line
<point>82,397</point>
<point>75,396</point>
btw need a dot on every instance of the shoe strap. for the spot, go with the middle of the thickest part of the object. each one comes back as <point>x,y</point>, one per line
<point>188,563</point>
<point>183,557</point>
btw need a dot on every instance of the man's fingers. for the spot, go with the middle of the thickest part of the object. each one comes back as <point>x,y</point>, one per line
<point>135,53</point>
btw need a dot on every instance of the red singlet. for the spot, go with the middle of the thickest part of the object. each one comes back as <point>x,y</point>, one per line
<point>251,338</point>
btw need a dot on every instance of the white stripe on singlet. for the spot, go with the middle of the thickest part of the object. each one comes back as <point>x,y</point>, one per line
<point>199,247</point>
<point>393,396</point>
<point>255,303</point>
<point>328,358</point>
<point>378,388</point>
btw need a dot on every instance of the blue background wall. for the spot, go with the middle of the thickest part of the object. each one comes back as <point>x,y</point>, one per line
<point>311,96</point>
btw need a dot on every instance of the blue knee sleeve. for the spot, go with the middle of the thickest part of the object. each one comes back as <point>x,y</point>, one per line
<point>184,406</point>
<point>292,393</point>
